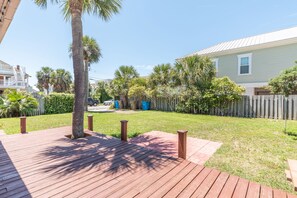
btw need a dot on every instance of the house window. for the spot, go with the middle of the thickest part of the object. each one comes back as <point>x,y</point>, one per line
<point>244,64</point>
<point>215,62</point>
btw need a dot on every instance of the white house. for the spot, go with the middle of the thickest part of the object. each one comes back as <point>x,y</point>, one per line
<point>13,77</point>
<point>251,62</point>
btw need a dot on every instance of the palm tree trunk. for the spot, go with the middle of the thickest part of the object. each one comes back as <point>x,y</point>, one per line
<point>86,85</point>
<point>78,68</point>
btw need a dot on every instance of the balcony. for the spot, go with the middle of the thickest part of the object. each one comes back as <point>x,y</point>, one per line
<point>13,85</point>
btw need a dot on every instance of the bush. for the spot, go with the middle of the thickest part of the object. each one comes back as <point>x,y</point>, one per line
<point>16,103</point>
<point>58,103</point>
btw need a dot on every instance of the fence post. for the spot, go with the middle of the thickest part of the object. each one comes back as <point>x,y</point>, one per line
<point>182,144</point>
<point>124,124</point>
<point>23,124</point>
<point>90,122</point>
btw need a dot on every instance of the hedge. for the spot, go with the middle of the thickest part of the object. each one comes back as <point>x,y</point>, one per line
<point>58,103</point>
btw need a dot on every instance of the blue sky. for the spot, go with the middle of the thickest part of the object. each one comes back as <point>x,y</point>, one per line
<point>145,32</point>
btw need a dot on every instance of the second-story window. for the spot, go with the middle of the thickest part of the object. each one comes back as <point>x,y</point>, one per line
<point>244,64</point>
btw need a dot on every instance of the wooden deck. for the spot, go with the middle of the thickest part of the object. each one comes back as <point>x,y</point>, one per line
<point>47,164</point>
<point>198,150</point>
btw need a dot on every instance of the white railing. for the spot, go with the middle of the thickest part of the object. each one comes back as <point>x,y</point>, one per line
<point>14,84</point>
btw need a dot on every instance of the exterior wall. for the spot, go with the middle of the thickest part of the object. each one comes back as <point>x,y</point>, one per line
<point>266,64</point>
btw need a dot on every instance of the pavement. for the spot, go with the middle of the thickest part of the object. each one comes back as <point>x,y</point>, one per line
<point>103,109</point>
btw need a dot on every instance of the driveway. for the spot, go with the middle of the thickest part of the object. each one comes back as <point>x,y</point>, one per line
<point>99,109</point>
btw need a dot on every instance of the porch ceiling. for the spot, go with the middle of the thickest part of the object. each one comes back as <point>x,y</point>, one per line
<point>7,11</point>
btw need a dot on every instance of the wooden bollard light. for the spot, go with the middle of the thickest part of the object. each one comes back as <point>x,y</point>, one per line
<point>90,122</point>
<point>124,124</point>
<point>182,144</point>
<point>23,124</point>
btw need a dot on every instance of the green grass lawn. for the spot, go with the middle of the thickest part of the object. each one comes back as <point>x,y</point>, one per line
<point>255,149</point>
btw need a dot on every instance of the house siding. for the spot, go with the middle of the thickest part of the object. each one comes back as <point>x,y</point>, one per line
<point>266,64</point>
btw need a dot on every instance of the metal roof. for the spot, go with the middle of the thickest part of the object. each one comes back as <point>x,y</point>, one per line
<point>272,39</point>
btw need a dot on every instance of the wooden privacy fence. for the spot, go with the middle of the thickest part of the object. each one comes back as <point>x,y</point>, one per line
<point>264,106</point>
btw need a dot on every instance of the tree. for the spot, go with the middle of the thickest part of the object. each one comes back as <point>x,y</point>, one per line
<point>194,75</point>
<point>137,91</point>
<point>73,10</point>
<point>161,76</point>
<point>160,83</point>
<point>61,80</point>
<point>101,91</point>
<point>92,53</point>
<point>43,79</point>
<point>15,103</point>
<point>222,92</point>
<point>121,82</point>
<point>195,71</point>
<point>285,84</point>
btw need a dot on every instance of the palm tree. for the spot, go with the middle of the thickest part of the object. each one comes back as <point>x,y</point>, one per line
<point>43,79</point>
<point>73,10</point>
<point>161,76</point>
<point>61,80</point>
<point>194,71</point>
<point>122,79</point>
<point>92,53</point>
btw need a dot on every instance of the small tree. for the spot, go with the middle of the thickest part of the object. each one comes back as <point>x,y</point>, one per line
<point>43,79</point>
<point>285,84</point>
<point>137,91</point>
<point>194,75</point>
<point>121,82</point>
<point>222,92</point>
<point>101,91</point>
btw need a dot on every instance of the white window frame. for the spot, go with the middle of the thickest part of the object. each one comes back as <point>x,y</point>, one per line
<point>239,57</point>
<point>216,61</point>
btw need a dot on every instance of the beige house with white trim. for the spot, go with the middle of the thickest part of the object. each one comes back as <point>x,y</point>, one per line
<point>253,61</point>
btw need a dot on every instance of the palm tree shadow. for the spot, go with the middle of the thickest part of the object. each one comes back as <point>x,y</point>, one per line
<point>9,175</point>
<point>107,155</point>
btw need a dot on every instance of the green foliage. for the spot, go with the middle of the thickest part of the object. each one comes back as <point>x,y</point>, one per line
<point>136,92</point>
<point>162,75</point>
<point>194,75</point>
<point>285,83</point>
<point>121,84</point>
<point>195,72</point>
<point>101,91</point>
<point>222,92</point>
<point>43,78</point>
<point>16,103</point>
<point>56,103</point>
<point>61,80</point>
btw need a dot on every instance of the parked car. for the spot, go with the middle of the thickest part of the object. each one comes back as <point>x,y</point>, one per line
<point>92,102</point>
<point>108,102</point>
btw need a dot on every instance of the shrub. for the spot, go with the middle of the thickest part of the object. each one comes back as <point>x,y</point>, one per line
<point>59,103</point>
<point>16,103</point>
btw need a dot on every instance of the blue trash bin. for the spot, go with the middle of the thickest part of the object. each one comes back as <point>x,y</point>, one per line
<point>145,105</point>
<point>116,104</point>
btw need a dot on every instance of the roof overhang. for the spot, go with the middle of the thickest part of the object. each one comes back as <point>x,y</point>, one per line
<point>7,11</point>
<point>250,48</point>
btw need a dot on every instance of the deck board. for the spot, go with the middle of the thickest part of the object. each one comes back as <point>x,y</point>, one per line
<point>47,164</point>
